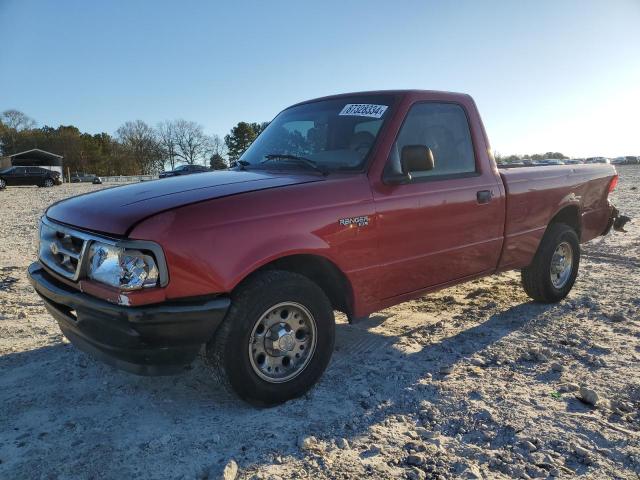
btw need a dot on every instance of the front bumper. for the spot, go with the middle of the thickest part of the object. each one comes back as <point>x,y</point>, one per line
<point>156,339</point>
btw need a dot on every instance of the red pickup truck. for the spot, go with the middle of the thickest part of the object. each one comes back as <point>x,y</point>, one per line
<point>352,202</point>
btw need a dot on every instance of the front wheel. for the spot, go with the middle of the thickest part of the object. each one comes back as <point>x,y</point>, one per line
<point>276,340</point>
<point>554,269</point>
<point>48,183</point>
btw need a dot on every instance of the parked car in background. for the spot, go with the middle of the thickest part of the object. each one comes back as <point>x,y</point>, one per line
<point>548,161</point>
<point>597,160</point>
<point>81,177</point>
<point>626,160</point>
<point>185,170</point>
<point>574,161</point>
<point>19,176</point>
<point>511,165</point>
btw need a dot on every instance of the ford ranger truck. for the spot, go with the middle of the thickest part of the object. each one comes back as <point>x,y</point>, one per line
<point>349,203</point>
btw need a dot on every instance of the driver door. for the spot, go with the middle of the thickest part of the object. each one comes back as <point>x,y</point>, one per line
<point>446,223</point>
<point>20,176</point>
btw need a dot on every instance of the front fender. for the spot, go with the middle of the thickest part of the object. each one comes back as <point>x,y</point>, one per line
<point>266,252</point>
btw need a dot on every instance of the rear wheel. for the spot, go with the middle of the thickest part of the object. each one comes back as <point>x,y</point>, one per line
<point>276,340</point>
<point>554,269</point>
<point>3,184</point>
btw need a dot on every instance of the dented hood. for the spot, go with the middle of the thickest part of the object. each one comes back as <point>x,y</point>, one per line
<point>116,210</point>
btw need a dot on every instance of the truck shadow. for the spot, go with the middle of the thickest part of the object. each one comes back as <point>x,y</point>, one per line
<point>55,396</point>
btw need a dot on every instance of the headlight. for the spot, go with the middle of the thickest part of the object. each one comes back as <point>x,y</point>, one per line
<point>123,268</point>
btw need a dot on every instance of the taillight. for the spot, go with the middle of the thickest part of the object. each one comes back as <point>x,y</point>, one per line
<point>613,184</point>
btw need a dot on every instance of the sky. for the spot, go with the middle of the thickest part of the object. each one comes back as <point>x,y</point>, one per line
<point>559,75</point>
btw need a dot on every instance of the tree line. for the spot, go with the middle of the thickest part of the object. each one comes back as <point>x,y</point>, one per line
<point>137,148</point>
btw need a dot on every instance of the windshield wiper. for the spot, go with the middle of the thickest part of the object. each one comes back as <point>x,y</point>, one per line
<point>297,159</point>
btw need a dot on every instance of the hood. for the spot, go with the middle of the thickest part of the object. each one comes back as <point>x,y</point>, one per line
<point>116,210</point>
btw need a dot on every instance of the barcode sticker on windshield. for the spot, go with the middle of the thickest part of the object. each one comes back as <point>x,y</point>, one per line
<point>363,110</point>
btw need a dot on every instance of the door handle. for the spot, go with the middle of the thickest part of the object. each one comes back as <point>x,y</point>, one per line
<point>484,196</point>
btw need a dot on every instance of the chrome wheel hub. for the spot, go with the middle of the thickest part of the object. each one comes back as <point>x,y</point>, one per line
<point>561,265</point>
<point>282,342</point>
<point>279,340</point>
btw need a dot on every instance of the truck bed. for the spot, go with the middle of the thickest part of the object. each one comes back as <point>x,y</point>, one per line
<point>535,195</point>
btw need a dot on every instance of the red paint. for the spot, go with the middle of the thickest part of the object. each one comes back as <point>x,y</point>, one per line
<point>115,210</point>
<point>216,228</point>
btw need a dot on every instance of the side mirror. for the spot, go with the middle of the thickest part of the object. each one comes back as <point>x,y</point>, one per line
<point>416,158</point>
<point>413,158</point>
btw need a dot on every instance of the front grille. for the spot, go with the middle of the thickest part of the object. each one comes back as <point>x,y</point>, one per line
<point>62,249</point>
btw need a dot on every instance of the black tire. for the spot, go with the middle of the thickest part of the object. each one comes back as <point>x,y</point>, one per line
<point>228,355</point>
<point>3,184</point>
<point>49,183</point>
<point>536,278</point>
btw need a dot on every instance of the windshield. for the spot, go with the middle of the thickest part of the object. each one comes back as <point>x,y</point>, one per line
<point>330,134</point>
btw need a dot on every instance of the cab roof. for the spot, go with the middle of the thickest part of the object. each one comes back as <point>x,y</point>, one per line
<point>417,94</point>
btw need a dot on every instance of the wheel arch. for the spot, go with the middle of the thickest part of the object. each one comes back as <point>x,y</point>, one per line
<point>319,269</point>
<point>569,215</point>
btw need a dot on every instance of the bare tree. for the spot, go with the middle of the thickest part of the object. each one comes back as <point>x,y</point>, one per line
<point>167,140</point>
<point>218,147</point>
<point>140,142</point>
<point>12,122</point>
<point>17,120</point>
<point>192,145</point>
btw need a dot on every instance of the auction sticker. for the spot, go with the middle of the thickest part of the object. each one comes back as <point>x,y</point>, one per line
<point>363,110</point>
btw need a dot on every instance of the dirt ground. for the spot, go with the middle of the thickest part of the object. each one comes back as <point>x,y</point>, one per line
<point>471,382</point>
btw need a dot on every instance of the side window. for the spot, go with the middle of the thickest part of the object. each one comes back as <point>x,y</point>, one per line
<point>34,170</point>
<point>443,127</point>
<point>20,171</point>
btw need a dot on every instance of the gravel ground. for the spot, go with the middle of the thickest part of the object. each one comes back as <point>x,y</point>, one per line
<point>474,381</point>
